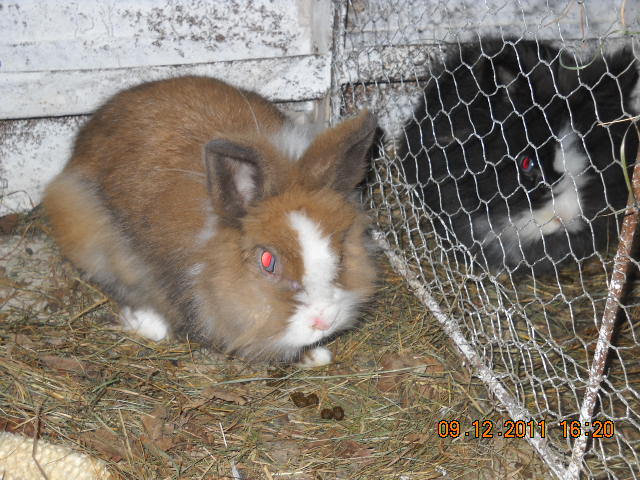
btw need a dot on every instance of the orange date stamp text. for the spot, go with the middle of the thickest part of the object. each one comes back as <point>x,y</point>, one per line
<point>524,429</point>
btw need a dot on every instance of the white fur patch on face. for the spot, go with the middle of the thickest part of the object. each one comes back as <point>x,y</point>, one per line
<point>294,139</point>
<point>320,262</point>
<point>323,308</point>
<point>563,210</point>
<point>145,322</point>
<point>568,157</point>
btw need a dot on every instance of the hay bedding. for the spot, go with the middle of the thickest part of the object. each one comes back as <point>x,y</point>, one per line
<point>171,410</point>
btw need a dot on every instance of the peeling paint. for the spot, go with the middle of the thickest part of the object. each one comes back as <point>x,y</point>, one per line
<point>31,153</point>
<point>67,60</point>
<point>73,35</point>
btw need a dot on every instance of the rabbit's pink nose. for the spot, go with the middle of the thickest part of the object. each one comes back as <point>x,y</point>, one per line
<point>320,323</point>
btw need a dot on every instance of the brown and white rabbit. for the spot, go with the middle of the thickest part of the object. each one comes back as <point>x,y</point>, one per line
<point>208,214</point>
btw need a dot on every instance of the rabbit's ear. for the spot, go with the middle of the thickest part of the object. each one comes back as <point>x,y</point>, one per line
<point>528,71</point>
<point>499,62</point>
<point>507,78</point>
<point>508,68</point>
<point>235,177</point>
<point>624,67</point>
<point>337,157</point>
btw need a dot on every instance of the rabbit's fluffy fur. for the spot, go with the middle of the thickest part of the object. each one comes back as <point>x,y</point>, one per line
<point>208,214</point>
<point>508,154</point>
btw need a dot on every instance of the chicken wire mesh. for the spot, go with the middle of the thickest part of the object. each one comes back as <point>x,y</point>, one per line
<point>498,191</point>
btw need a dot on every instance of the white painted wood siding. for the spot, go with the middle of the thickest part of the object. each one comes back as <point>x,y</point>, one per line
<point>59,60</point>
<point>66,57</point>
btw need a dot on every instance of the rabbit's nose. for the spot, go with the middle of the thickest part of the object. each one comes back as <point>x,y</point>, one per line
<point>320,323</point>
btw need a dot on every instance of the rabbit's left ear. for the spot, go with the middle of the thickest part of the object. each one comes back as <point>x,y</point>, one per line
<point>508,67</point>
<point>524,72</point>
<point>337,157</point>
<point>506,78</point>
<point>235,177</point>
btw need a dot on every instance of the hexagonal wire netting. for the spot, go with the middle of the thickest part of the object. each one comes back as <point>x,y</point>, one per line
<point>499,192</point>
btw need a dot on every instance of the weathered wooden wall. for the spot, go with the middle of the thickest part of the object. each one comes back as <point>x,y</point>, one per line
<point>60,60</point>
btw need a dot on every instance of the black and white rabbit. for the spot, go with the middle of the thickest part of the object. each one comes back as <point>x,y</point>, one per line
<point>509,154</point>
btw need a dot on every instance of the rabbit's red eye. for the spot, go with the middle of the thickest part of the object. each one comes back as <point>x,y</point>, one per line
<point>268,261</point>
<point>527,163</point>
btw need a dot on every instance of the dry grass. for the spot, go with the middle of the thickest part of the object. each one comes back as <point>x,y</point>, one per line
<point>172,410</point>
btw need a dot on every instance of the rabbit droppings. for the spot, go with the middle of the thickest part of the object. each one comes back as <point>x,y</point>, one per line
<point>205,212</point>
<point>509,156</point>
